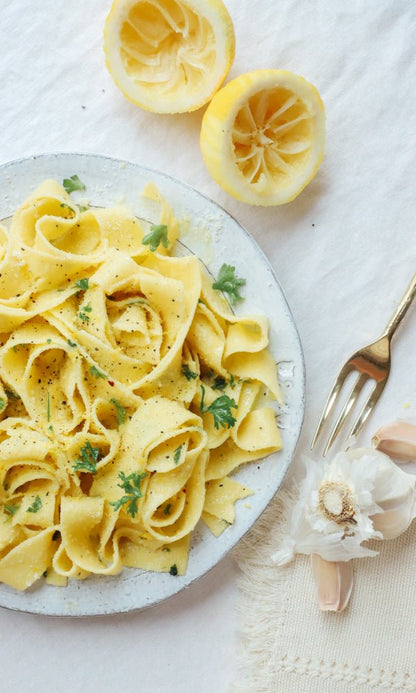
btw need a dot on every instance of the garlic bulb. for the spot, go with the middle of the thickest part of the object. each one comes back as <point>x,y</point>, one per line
<point>360,495</point>
<point>397,439</point>
<point>395,494</point>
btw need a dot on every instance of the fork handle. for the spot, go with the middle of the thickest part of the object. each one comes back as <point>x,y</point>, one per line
<point>401,309</point>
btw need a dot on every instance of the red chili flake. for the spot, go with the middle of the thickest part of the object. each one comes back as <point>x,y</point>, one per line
<point>111,382</point>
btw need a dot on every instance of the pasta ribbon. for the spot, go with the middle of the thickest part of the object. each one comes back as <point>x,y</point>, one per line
<point>129,392</point>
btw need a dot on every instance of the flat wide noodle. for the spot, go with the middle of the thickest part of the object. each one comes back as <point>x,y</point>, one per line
<point>129,392</point>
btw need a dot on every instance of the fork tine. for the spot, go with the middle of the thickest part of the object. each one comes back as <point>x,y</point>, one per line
<point>368,407</point>
<point>345,370</point>
<point>362,377</point>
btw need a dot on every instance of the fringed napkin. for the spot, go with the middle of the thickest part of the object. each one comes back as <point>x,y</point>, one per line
<point>287,644</point>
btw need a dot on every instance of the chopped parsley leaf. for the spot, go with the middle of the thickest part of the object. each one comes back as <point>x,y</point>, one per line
<point>36,505</point>
<point>229,283</point>
<point>167,508</point>
<point>13,396</point>
<point>186,371</point>
<point>2,403</point>
<point>89,459</point>
<point>121,412</point>
<point>83,313</point>
<point>71,344</point>
<point>173,570</point>
<point>219,383</point>
<point>82,284</point>
<point>158,235</point>
<point>16,346</point>
<point>177,454</point>
<point>220,409</point>
<point>10,510</point>
<point>131,485</point>
<point>97,373</point>
<point>72,183</point>
<point>65,206</point>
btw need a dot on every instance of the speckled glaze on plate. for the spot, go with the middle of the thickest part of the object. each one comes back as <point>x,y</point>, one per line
<point>216,237</point>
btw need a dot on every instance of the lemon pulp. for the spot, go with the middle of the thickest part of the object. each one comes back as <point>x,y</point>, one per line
<point>169,56</point>
<point>262,136</point>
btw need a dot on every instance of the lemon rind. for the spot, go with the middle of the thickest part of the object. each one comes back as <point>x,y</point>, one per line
<point>217,15</point>
<point>216,134</point>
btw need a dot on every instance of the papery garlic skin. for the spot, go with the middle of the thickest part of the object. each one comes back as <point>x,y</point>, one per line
<point>382,497</point>
<point>397,439</point>
<point>395,492</point>
<point>395,520</point>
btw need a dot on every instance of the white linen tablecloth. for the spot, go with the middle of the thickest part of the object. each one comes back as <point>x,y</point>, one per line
<point>343,251</point>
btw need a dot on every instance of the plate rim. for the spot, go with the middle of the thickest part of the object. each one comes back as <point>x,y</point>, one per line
<point>32,608</point>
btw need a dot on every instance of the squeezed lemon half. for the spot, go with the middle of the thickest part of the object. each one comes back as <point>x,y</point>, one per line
<point>169,56</point>
<point>263,136</point>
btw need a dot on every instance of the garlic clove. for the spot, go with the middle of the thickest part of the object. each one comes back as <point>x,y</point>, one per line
<point>397,439</point>
<point>335,582</point>
<point>397,515</point>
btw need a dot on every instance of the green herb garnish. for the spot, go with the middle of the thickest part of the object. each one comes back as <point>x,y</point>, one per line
<point>10,510</point>
<point>186,371</point>
<point>177,454</point>
<point>219,383</point>
<point>220,409</point>
<point>16,346</point>
<point>83,313</point>
<point>72,183</point>
<point>131,485</point>
<point>173,570</point>
<point>97,373</point>
<point>121,412</point>
<point>229,283</point>
<point>71,344</point>
<point>158,235</point>
<point>36,505</point>
<point>89,459</point>
<point>13,396</point>
<point>166,510</point>
<point>65,206</point>
<point>2,403</point>
<point>82,284</point>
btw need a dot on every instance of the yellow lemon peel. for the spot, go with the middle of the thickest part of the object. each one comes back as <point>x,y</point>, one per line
<point>169,56</point>
<point>263,136</point>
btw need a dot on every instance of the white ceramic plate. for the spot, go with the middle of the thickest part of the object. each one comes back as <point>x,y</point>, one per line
<point>216,237</point>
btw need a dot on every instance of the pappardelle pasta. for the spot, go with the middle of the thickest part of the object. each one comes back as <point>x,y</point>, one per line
<point>129,392</point>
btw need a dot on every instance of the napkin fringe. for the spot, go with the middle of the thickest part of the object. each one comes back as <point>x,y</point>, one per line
<point>259,604</point>
<point>256,668</point>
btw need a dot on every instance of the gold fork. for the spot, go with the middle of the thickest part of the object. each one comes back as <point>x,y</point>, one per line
<point>372,362</point>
